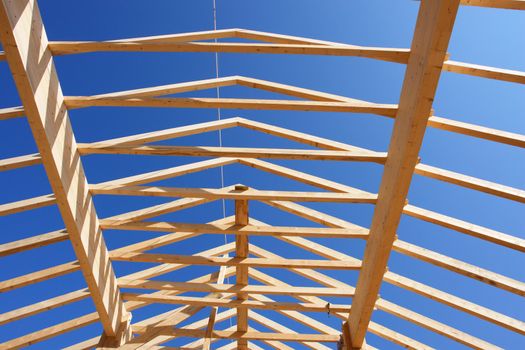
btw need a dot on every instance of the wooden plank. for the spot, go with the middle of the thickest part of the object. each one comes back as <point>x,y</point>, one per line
<point>51,332</point>
<point>239,261</point>
<point>300,137</point>
<point>38,241</point>
<point>244,152</point>
<point>215,193</point>
<point>20,162</point>
<point>167,134</point>
<point>171,89</point>
<point>463,268</point>
<point>196,333</point>
<point>429,45</point>
<point>233,103</point>
<point>231,303</point>
<point>39,276</point>
<point>212,318</point>
<point>502,4</point>
<point>183,37</point>
<point>42,306</point>
<point>477,70</point>
<point>471,182</point>
<point>478,131</point>
<point>242,252</point>
<point>466,227</point>
<point>27,204</point>
<point>238,230</point>
<point>77,47</point>
<point>25,43</point>
<point>169,173</point>
<point>232,288</point>
<point>11,112</point>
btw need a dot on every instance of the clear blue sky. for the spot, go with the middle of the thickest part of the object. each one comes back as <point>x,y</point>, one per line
<point>482,36</point>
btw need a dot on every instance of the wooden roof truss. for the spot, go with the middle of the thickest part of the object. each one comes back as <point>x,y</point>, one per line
<point>30,58</point>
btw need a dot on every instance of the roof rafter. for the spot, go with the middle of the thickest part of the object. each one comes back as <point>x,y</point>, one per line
<point>25,41</point>
<point>429,45</point>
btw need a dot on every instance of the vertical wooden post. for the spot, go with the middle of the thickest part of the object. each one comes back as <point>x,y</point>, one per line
<point>26,49</point>
<point>242,251</point>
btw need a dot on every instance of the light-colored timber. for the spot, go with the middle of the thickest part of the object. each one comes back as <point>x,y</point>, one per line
<point>429,45</point>
<point>26,48</point>
<point>232,288</point>
<point>20,162</point>
<point>214,193</point>
<point>248,281</point>
<point>33,242</point>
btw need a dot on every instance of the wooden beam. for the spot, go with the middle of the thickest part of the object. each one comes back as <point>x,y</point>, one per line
<point>11,112</point>
<point>244,152</point>
<point>39,276</point>
<point>232,103</point>
<point>212,318</point>
<point>77,47</point>
<point>471,182</point>
<point>466,227</point>
<point>27,204</point>
<point>42,306</point>
<point>238,261</point>
<point>214,193</point>
<point>238,230</point>
<point>502,4</point>
<point>242,252</point>
<point>477,70</point>
<point>231,288</point>
<point>183,37</point>
<point>478,131</point>
<point>196,333</point>
<point>166,134</point>
<point>429,45</point>
<point>168,173</point>
<point>155,210</point>
<point>26,47</point>
<point>20,162</point>
<point>314,141</point>
<point>50,332</point>
<point>38,241</point>
<point>231,303</point>
<point>475,272</point>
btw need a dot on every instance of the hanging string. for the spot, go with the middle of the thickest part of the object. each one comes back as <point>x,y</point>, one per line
<point>219,111</point>
<point>221,168</point>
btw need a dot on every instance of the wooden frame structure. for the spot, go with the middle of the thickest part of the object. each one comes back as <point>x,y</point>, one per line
<point>30,57</point>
